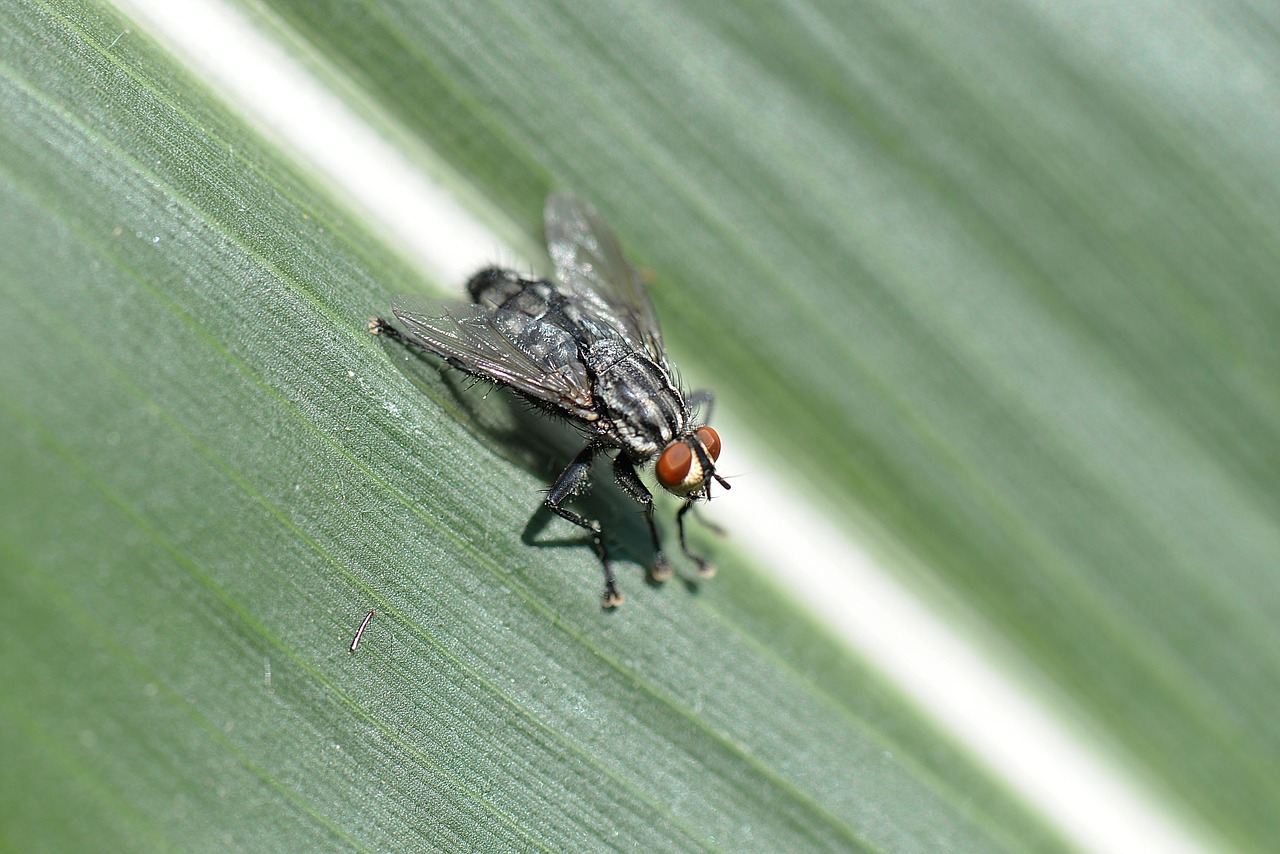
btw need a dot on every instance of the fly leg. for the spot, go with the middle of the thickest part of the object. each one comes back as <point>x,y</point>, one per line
<point>703,401</point>
<point>572,481</point>
<point>378,326</point>
<point>714,528</point>
<point>624,471</point>
<point>705,567</point>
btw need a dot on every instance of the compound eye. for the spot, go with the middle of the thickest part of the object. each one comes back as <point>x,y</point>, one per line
<point>710,439</point>
<point>674,464</point>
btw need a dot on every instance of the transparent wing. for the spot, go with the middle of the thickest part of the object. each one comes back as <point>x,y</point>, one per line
<point>538,360</point>
<point>590,265</point>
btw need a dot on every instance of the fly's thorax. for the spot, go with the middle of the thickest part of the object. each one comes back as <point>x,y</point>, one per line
<point>636,397</point>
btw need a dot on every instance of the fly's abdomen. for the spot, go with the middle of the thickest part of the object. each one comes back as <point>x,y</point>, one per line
<point>525,312</point>
<point>493,286</point>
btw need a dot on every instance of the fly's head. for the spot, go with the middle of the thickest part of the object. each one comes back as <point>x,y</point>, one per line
<point>687,465</point>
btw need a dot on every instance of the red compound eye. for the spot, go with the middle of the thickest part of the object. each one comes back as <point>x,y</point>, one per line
<point>711,440</point>
<point>674,464</point>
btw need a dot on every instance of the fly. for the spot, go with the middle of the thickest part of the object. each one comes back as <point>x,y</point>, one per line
<point>586,346</point>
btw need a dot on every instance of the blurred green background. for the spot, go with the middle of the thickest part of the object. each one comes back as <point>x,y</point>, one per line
<point>998,278</point>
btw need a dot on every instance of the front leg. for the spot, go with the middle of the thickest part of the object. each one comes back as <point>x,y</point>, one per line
<point>705,567</point>
<point>572,481</point>
<point>624,471</point>
<point>703,401</point>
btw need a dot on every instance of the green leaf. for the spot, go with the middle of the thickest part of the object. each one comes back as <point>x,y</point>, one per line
<point>1002,276</point>
<point>211,472</point>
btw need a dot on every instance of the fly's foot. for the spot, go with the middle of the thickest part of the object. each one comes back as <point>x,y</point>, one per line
<point>376,325</point>
<point>706,569</point>
<point>661,569</point>
<point>612,598</point>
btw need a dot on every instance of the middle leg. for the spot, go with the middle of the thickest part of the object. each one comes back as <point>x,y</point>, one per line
<point>573,481</point>
<point>624,471</point>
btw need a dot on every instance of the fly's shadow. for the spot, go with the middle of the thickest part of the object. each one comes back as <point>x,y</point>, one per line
<point>524,436</point>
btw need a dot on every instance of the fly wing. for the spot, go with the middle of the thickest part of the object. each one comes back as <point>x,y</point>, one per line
<point>483,341</point>
<point>590,265</point>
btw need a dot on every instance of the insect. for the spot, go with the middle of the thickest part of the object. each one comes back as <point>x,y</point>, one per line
<point>586,346</point>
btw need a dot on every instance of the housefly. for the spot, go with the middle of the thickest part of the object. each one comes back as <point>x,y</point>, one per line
<point>586,346</point>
